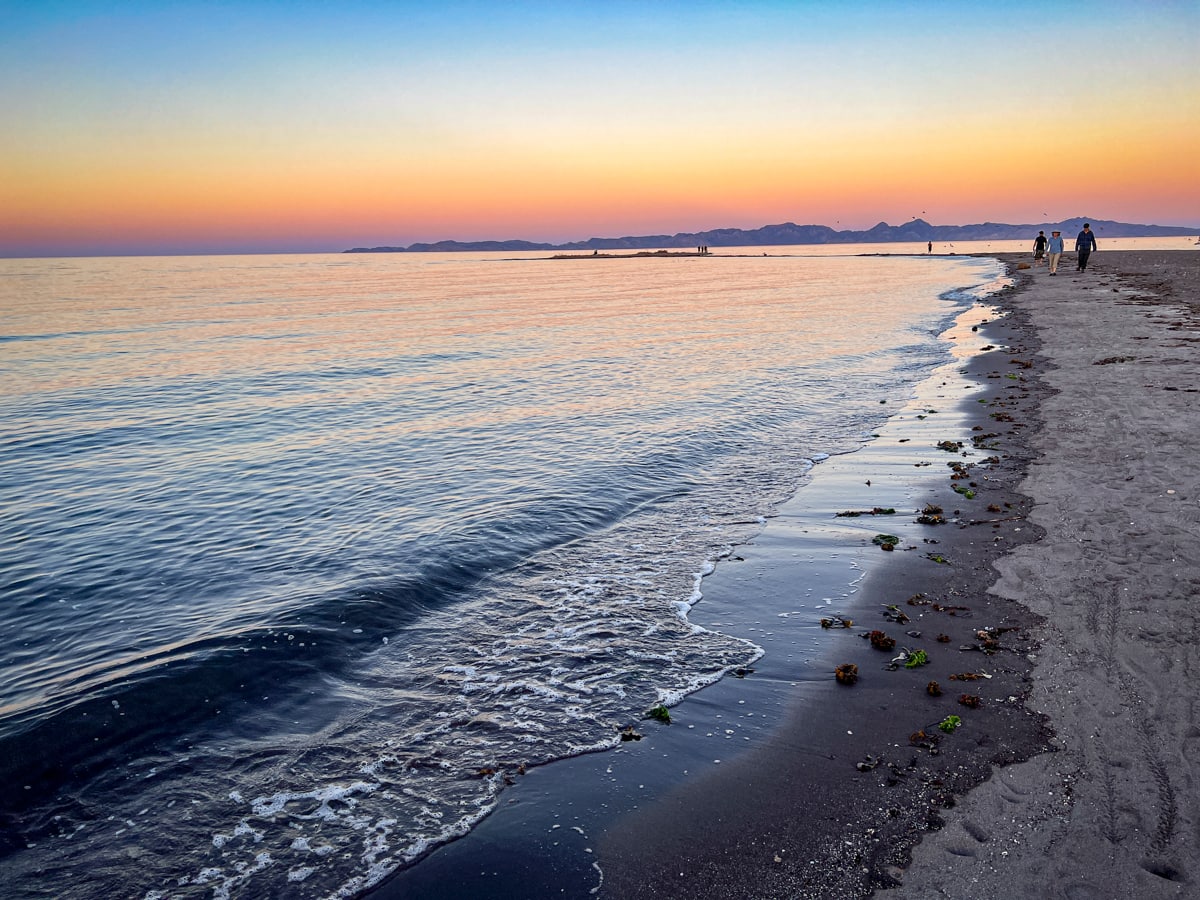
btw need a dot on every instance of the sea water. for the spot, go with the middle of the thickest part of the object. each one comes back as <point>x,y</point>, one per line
<point>304,557</point>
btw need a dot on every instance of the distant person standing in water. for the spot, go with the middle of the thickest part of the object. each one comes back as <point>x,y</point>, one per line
<point>929,249</point>
<point>1039,246</point>
<point>1084,245</point>
<point>1054,247</point>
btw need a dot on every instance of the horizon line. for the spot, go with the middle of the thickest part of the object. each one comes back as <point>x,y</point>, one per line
<point>546,245</point>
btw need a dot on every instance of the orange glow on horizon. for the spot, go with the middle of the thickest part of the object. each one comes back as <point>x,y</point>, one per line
<point>969,169</point>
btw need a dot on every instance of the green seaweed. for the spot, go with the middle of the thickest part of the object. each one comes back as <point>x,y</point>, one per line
<point>875,511</point>
<point>887,541</point>
<point>916,658</point>
<point>949,724</point>
<point>661,713</point>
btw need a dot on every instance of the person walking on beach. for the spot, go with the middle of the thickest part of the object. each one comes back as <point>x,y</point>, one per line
<point>1084,245</point>
<point>1039,247</point>
<point>1054,247</point>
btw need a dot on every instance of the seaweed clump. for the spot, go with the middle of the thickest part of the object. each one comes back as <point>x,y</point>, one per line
<point>881,641</point>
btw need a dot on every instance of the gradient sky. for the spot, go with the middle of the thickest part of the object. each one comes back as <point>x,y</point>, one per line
<point>160,127</point>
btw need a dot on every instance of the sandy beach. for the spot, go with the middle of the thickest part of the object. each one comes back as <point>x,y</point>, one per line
<point>1111,810</point>
<point>1075,775</point>
<point>1045,743</point>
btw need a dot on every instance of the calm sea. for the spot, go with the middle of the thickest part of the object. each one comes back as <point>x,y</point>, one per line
<point>302,556</point>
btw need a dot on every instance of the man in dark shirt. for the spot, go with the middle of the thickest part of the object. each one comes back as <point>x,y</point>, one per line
<point>1085,243</point>
<point>1039,246</point>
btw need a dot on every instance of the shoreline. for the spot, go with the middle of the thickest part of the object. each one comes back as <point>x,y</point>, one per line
<point>831,804</point>
<point>1111,810</point>
<point>829,795</point>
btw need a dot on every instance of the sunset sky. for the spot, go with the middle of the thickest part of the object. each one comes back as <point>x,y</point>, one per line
<point>157,127</point>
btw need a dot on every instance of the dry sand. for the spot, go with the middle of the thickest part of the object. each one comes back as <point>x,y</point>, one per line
<point>1114,810</point>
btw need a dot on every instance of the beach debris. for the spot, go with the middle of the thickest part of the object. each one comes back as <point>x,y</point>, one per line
<point>846,673</point>
<point>922,738</point>
<point>836,621</point>
<point>893,613</point>
<point>971,701</point>
<point>885,541</point>
<point>628,734</point>
<point>943,638</point>
<point>969,676</point>
<point>989,640</point>
<point>931,514</point>
<point>949,724</point>
<point>910,658</point>
<point>937,558</point>
<point>875,511</point>
<point>918,600</point>
<point>661,713</point>
<point>868,763</point>
<point>880,640</point>
<point>950,446</point>
<point>916,658</point>
<point>741,671</point>
<point>933,689</point>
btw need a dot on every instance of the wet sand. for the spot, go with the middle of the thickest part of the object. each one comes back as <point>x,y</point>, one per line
<point>1057,606</point>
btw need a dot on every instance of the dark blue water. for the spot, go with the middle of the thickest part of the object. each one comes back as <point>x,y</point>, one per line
<point>303,556</point>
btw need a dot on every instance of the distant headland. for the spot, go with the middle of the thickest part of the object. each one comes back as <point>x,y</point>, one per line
<point>916,231</point>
